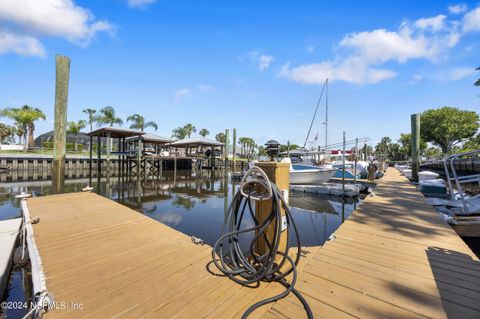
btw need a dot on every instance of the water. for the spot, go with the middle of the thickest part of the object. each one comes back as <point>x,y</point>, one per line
<point>193,202</point>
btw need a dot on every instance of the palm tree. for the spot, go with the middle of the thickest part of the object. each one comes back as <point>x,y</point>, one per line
<point>139,122</point>
<point>75,128</point>
<point>179,133</point>
<point>478,81</point>
<point>107,116</point>
<point>243,142</point>
<point>91,117</point>
<point>20,131</point>
<point>189,129</point>
<point>204,132</point>
<point>25,118</point>
<point>220,137</point>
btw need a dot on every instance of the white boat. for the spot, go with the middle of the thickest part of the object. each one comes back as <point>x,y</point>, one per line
<point>422,176</point>
<point>309,174</point>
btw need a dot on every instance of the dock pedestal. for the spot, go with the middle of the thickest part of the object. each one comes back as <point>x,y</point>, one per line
<point>279,174</point>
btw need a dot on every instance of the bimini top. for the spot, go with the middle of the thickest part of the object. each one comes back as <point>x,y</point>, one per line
<point>115,132</point>
<point>149,138</point>
<point>197,141</point>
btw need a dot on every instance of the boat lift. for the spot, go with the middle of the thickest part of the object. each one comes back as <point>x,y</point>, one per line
<point>469,206</point>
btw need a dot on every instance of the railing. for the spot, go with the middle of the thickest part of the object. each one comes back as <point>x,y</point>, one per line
<point>449,164</point>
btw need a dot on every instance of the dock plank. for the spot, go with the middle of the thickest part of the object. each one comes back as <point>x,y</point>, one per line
<point>393,258</point>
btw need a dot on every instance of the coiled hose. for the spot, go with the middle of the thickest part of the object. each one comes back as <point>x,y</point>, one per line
<point>245,266</point>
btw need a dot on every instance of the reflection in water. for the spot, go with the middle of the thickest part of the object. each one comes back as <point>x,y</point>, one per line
<point>193,202</point>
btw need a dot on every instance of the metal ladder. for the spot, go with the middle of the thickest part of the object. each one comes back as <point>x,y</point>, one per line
<point>451,175</point>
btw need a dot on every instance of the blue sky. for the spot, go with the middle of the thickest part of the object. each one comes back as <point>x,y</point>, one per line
<point>254,65</point>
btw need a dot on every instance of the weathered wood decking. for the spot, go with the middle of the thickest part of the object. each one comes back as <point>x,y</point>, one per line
<point>118,263</point>
<point>393,258</point>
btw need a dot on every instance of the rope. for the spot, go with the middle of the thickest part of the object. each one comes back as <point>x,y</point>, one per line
<point>248,267</point>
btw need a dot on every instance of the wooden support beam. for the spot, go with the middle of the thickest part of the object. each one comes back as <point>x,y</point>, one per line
<point>60,124</point>
<point>279,174</point>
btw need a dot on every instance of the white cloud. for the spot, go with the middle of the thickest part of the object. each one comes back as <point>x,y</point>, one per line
<point>140,4</point>
<point>20,44</point>
<point>180,94</point>
<point>461,72</point>
<point>361,54</point>
<point>349,71</point>
<point>417,77</point>
<point>434,23</point>
<point>458,8</point>
<point>205,87</point>
<point>264,62</point>
<point>30,19</point>
<point>310,49</point>
<point>471,20</point>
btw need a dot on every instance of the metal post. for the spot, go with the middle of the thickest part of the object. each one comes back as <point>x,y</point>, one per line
<point>365,152</point>
<point>415,122</point>
<point>60,125</point>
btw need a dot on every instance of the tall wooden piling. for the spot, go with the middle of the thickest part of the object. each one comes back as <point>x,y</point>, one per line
<point>415,121</point>
<point>279,174</point>
<point>60,125</point>
<point>226,148</point>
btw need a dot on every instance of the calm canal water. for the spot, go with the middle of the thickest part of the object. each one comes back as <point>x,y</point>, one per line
<point>193,202</point>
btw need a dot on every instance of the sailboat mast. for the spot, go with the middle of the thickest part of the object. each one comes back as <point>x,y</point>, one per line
<point>314,114</point>
<point>326,116</point>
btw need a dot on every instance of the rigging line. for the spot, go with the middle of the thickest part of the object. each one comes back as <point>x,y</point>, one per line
<point>315,114</point>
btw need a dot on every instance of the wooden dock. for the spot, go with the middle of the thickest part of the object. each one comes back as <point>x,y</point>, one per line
<point>117,263</point>
<point>393,258</point>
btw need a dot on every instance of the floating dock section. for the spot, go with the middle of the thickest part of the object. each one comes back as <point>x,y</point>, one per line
<point>393,258</point>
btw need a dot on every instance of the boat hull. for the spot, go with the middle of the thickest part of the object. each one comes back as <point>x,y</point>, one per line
<point>312,176</point>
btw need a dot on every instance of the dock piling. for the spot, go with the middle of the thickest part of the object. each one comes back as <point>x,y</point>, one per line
<point>60,125</point>
<point>415,122</point>
<point>279,174</point>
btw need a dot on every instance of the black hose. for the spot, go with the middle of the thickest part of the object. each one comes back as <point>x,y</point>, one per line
<point>248,267</point>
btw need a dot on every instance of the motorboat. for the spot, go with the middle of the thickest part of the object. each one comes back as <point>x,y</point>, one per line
<point>422,176</point>
<point>309,174</point>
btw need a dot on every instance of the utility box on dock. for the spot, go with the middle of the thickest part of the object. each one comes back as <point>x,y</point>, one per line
<point>279,174</point>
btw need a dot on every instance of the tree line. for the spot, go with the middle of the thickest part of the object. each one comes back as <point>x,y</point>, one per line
<point>24,119</point>
<point>448,129</point>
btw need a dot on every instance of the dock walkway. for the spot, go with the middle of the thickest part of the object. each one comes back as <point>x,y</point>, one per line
<point>117,263</point>
<point>393,258</point>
